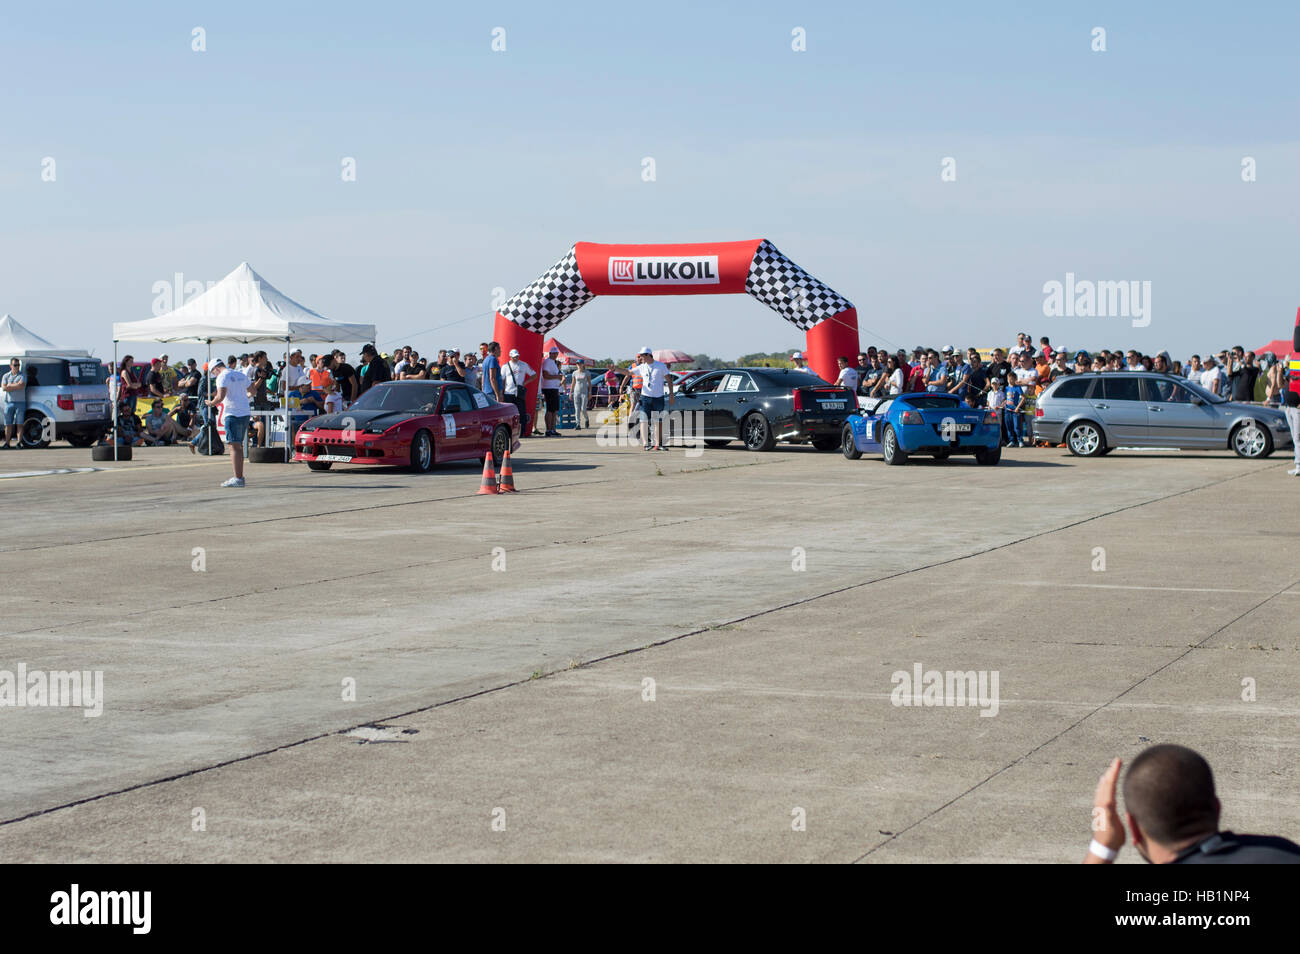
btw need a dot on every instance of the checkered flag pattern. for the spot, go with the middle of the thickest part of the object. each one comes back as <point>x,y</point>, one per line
<point>552,298</point>
<point>790,291</point>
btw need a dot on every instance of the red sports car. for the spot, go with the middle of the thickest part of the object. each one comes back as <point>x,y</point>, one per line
<point>414,424</point>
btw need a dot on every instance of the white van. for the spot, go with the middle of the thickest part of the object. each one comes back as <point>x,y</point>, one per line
<point>67,399</point>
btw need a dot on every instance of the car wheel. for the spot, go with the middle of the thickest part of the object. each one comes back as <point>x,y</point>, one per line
<point>1084,439</point>
<point>758,433</point>
<point>942,455</point>
<point>82,440</point>
<point>500,442</point>
<point>1251,441</point>
<point>889,444</point>
<point>848,445</point>
<point>717,443</point>
<point>825,443</point>
<point>988,456</point>
<point>320,464</point>
<point>33,433</point>
<point>422,452</point>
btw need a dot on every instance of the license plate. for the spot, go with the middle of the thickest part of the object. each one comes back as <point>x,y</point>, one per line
<point>832,405</point>
<point>94,409</point>
<point>962,428</point>
<point>334,458</point>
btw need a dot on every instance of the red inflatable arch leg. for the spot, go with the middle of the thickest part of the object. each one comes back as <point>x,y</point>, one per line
<point>828,340</point>
<point>529,345</point>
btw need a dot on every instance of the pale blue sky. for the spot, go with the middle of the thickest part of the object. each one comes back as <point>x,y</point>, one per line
<point>478,169</point>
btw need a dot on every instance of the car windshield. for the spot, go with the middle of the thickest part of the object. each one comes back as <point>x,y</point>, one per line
<point>400,397</point>
<point>1200,392</point>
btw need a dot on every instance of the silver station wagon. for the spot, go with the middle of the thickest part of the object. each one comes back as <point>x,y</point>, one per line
<point>1092,414</point>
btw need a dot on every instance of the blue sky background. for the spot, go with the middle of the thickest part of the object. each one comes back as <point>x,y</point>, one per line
<point>478,169</point>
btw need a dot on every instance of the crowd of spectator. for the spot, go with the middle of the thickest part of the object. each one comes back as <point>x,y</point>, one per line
<point>1010,380</point>
<point>1006,380</point>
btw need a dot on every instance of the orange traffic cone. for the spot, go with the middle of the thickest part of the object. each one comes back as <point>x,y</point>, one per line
<point>507,475</point>
<point>488,485</point>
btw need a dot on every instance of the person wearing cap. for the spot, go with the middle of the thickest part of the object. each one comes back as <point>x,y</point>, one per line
<point>153,381</point>
<point>654,379</point>
<point>376,372</point>
<point>453,369</point>
<point>515,375</point>
<point>551,381</point>
<point>168,374</point>
<point>233,393</point>
<point>158,425</point>
<point>800,362</point>
<point>580,392</point>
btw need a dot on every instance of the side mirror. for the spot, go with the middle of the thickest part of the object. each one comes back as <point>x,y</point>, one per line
<point>1196,400</point>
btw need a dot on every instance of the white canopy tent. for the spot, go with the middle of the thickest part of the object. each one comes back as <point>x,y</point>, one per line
<point>241,308</point>
<point>17,341</point>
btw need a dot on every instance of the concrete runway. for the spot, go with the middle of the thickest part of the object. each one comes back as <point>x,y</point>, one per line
<point>505,714</point>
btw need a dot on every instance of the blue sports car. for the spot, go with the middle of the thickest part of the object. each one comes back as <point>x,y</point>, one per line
<point>923,423</point>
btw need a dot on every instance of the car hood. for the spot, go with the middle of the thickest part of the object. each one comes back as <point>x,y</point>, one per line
<point>359,420</point>
<point>1233,409</point>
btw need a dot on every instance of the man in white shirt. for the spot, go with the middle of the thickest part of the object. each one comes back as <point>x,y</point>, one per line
<point>551,381</point>
<point>800,362</point>
<point>654,380</point>
<point>515,375</point>
<point>1210,376</point>
<point>848,374</point>
<point>232,394</point>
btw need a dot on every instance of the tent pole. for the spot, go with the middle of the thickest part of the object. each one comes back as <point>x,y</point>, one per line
<point>284,392</point>
<point>207,382</point>
<point>117,396</point>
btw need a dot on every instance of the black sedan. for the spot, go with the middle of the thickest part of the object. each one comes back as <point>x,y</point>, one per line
<point>761,406</point>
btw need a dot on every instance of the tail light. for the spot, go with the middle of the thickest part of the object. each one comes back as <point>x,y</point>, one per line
<point>798,399</point>
<point>1038,412</point>
<point>66,403</point>
<point>912,417</point>
<point>991,417</point>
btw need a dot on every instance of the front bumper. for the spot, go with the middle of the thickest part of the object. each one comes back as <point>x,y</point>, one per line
<point>361,448</point>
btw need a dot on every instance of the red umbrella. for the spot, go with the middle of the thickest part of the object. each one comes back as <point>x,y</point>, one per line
<point>567,355</point>
<point>669,356</point>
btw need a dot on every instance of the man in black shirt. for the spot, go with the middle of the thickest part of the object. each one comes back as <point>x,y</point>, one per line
<point>999,367</point>
<point>154,380</point>
<point>189,384</point>
<point>1173,815</point>
<point>452,369</point>
<point>1242,374</point>
<point>377,371</point>
<point>977,382</point>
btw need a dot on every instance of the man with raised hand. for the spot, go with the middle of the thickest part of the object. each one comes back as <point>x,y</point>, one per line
<point>1173,816</point>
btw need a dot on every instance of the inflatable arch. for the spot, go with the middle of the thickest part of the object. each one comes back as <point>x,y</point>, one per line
<point>755,267</point>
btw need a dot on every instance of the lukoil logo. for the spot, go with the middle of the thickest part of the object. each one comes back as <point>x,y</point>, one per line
<point>663,270</point>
